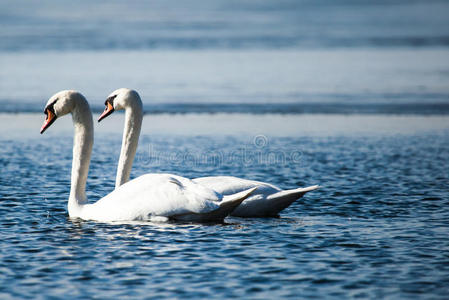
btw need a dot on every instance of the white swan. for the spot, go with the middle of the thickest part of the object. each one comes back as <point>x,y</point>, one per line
<point>267,201</point>
<point>150,195</point>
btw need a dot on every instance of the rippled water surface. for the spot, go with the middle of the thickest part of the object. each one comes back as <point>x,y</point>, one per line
<point>378,227</point>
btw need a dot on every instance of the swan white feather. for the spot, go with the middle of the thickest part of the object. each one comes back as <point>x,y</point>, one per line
<point>267,201</point>
<point>145,197</point>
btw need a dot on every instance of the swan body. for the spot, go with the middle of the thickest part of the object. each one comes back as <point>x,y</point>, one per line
<point>150,195</point>
<point>177,198</point>
<point>266,201</point>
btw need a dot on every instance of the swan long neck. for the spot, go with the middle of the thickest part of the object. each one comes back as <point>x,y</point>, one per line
<point>130,140</point>
<point>82,149</point>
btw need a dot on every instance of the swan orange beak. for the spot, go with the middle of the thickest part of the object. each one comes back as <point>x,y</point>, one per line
<point>109,109</point>
<point>51,117</point>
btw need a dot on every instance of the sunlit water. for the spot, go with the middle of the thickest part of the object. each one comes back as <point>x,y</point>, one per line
<point>377,227</point>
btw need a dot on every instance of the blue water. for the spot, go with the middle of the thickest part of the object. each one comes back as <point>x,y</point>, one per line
<point>351,95</point>
<point>201,24</point>
<point>377,227</point>
<point>407,108</point>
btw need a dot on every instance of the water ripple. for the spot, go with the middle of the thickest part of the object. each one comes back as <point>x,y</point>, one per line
<point>378,227</point>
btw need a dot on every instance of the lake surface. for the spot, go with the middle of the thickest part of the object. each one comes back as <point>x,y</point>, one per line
<point>377,227</point>
<point>350,95</point>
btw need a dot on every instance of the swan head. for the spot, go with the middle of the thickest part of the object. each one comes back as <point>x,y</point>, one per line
<point>120,99</point>
<point>58,105</point>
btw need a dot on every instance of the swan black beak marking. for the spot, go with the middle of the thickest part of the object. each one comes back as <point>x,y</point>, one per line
<point>109,109</point>
<point>51,117</point>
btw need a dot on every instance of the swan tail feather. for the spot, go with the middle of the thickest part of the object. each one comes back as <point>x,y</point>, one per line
<point>284,199</point>
<point>293,192</point>
<point>273,204</point>
<point>226,206</point>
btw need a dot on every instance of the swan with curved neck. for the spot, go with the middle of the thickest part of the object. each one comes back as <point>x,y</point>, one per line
<point>150,195</point>
<point>267,201</point>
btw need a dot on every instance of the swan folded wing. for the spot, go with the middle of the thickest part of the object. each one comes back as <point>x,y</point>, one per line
<point>228,185</point>
<point>195,191</point>
<point>152,195</point>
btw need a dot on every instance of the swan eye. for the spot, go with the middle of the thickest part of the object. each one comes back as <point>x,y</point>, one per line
<point>50,108</point>
<point>110,100</point>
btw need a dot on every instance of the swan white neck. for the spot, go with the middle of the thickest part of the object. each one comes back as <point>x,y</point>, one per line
<point>130,140</point>
<point>82,149</point>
